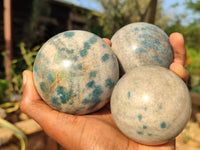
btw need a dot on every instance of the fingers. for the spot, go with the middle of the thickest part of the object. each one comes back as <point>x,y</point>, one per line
<point>31,99</point>
<point>60,126</point>
<point>32,104</point>
<point>177,43</point>
<point>177,66</point>
<point>180,71</point>
<point>107,41</point>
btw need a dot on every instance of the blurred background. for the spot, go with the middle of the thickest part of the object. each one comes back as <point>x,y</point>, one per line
<point>26,24</point>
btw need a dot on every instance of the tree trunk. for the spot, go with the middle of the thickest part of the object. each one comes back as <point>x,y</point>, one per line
<point>152,13</point>
<point>7,38</point>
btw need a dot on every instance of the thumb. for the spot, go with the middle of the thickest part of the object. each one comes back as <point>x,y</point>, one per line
<point>180,71</point>
<point>31,103</point>
<point>54,123</point>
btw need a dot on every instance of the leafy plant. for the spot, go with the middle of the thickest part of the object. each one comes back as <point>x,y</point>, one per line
<point>194,66</point>
<point>18,133</point>
<point>118,13</point>
<point>3,88</point>
<point>10,107</point>
<point>196,89</point>
<point>18,65</point>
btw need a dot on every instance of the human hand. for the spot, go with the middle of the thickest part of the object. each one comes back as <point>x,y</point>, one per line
<point>179,51</point>
<point>96,130</point>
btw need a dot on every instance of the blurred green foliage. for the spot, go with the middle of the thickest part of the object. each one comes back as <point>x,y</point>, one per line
<point>191,33</point>
<point>34,32</point>
<point>119,13</point>
<point>196,89</point>
<point>18,65</point>
<point>193,56</point>
<point>193,5</point>
<point>3,90</point>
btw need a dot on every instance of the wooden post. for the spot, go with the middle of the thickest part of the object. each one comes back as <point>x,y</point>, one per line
<point>8,38</point>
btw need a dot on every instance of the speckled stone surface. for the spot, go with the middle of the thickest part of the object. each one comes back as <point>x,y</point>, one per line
<point>151,105</point>
<point>139,44</point>
<point>75,72</point>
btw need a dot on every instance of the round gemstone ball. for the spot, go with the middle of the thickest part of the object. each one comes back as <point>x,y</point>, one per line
<point>139,44</point>
<point>151,105</point>
<point>75,72</point>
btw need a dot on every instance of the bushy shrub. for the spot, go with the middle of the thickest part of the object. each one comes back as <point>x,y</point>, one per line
<point>193,58</point>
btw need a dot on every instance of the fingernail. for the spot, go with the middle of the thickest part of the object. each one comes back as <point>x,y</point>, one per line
<point>24,79</point>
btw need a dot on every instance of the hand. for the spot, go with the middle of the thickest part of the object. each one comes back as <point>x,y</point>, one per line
<point>93,131</point>
<point>177,66</point>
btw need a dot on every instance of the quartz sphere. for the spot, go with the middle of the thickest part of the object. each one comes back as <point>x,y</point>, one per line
<point>139,44</point>
<point>151,105</point>
<point>75,72</point>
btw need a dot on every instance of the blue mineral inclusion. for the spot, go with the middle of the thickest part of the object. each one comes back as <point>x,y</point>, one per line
<point>152,29</point>
<point>71,51</point>
<point>136,29</point>
<point>86,45</point>
<point>94,98</point>
<point>75,58</point>
<point>97,91</point>
<point>64,94</point>
<point>51,76</point>
<point>147,44</point>
<point>35,68</point>
<point>149,134</point>
<point>140,117</point>
<point>63,49</point>
<point>144,127</point>
<point>79,66</point>
<point>156,58</point>
<point>55,101</point>
<point>69,34</point>
<point>139,132</point>
<point>93,74</point>
<point>140,50</point>
<point>160,106</point>
<point>93,40</point>
<point>157,42</point>
<point>83,52</point>
<point>109,83</point>
<point>129,94</point>
<point>163,125</point>
<point>105,57</point>
<point>39,54</point>
<point>43,87</point>
<point>104,45</point>
<point>145,36</point>
<point>91,84</point>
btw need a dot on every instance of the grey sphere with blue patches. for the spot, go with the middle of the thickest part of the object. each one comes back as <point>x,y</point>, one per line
<point>75,72</point>
<point>139,44</point>
<point>151,105</point>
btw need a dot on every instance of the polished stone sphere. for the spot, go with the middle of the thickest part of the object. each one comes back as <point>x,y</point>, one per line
<point>151,105</point>
<point>139,44</point>
<point>75,72</point>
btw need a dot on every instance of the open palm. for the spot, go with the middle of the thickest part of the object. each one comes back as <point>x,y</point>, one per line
<point>97,130</point>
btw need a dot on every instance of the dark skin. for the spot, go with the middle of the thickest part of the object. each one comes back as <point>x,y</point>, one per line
<point>96,131</point>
